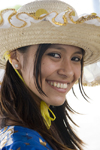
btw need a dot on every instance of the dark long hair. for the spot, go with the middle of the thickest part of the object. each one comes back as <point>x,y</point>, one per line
<point>18,106</point>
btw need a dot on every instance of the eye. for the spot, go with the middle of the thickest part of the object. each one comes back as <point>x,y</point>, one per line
<point>56,55</point>
<point>76,59</point>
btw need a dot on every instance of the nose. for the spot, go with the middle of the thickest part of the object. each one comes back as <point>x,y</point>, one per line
<point>66,69</point>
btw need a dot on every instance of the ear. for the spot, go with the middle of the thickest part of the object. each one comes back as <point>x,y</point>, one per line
<point>14,60</point>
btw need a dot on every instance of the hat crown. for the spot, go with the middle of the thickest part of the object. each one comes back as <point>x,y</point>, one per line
<point>49,5</point>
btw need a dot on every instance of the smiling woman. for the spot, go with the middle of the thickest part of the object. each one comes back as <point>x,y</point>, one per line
<point>60,69</point>
<point>44,59</point>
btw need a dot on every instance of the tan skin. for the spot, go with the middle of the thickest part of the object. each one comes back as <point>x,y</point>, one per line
<point>60,66</point>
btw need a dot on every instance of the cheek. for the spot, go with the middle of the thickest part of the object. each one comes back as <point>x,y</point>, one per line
<point>48,67</point>
<point>77,72</point>
<point>28,73</point>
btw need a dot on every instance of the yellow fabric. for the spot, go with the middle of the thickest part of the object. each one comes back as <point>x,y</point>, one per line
<point>46,115</point>
<point>6,55</point>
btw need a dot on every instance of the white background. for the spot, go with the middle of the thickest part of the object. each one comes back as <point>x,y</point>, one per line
<point>89,120</point>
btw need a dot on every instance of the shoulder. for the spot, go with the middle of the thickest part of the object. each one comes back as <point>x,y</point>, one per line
<point>20,138</point>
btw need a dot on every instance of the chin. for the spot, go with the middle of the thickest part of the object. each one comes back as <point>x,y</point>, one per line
<point>58,103</point>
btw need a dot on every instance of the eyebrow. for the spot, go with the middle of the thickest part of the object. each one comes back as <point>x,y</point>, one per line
<point>61,48</point>
<point>57,47</point>
<point>79,52</point>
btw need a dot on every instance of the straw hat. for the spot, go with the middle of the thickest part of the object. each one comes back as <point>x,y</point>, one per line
<point>49,21</point>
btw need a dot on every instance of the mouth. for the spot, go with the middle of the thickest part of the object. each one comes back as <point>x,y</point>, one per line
<point>59,86</point>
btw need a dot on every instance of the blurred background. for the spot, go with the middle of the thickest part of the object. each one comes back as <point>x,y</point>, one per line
<point>89,118</point>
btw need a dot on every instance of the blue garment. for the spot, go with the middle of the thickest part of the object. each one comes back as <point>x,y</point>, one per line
<point>21,138</point>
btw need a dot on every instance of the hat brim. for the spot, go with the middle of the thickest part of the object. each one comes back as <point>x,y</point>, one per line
<point>83,35</point>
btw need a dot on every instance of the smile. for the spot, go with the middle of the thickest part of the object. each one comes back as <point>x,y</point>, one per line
<point>58,85</point>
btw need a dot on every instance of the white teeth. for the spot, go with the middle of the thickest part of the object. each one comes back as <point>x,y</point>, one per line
<point>65,85</point>
<point>61,85</point>
<point>58,85</point>
<point>55,84</point>
<point>51,83</point>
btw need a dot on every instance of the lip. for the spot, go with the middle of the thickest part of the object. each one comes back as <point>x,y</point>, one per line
<point>66,82</point>
<point>58,89</point>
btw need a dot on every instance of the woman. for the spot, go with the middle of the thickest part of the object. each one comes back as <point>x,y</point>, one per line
<point>45,46</point>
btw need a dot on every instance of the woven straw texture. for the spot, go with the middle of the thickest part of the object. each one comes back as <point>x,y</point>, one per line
<point>86,36</point>
<point>49,5</point>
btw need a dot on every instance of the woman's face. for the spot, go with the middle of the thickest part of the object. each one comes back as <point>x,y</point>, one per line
<point>60,69</point>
